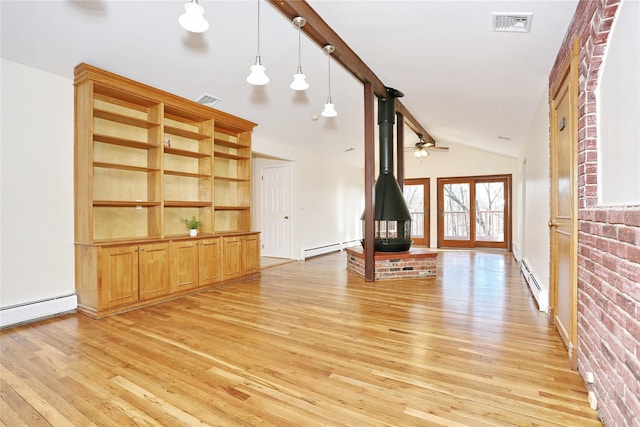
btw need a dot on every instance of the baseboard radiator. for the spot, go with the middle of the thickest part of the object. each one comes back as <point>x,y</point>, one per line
<point>321,250</point>
<point>516,252</point>
<point>36,310</point>
<point>541,295</point>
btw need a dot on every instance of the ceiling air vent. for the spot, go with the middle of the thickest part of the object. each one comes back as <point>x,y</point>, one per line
<point>512,22</point>
<point>209,100</point>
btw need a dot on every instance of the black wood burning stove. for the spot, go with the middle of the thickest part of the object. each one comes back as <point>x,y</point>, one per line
<point>391,214</point>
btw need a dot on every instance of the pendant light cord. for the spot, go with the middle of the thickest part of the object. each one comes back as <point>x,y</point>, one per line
<point>258,28</point>
<point>299,50</point>
<point>329,74</point>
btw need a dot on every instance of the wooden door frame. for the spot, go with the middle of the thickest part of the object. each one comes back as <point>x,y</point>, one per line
<point>472,180</point>
<point>569,71</point>
<point>426,183</point>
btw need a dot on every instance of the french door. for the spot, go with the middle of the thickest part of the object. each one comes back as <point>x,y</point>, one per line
<point>474,212</point>
<point>416,194</point>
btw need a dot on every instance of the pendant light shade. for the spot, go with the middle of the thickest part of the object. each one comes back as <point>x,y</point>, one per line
<point>299,79</point>
<point>192,19</point>
<point>329,108</point>
<point>258,76</point>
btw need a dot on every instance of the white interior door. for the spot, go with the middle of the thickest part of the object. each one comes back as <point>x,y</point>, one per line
<point>276,222</point>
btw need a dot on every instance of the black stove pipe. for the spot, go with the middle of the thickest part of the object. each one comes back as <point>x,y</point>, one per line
<point>386,121</point>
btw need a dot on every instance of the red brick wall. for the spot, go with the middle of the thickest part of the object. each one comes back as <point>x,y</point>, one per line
<point>608,244</point>
<point>413,264</point>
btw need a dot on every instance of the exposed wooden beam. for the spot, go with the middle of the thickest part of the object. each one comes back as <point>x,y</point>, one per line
<point>413,123</point>
<point>322,34</point>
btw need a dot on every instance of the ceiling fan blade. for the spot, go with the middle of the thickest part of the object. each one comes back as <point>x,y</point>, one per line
<point>437,148</point>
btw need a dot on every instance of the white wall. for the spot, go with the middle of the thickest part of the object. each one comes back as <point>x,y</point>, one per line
<point>618,98</point>
<point>37,185</point>
<point>460,160</point>
<point>534,237</point>
<point>327,196</point>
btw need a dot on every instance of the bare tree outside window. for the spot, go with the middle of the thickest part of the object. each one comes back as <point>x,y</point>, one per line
<point>490,211</point>
<point>456,211</point>
<point>414,195</point>
<point>474,211</point>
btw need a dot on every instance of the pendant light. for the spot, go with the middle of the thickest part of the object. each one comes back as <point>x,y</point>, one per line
<point>299,82</point>
<point>257,76</point>
<point>192,19</point>
<point>329,110</point>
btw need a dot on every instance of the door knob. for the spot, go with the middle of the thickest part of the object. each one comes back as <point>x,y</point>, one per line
<point>553,224</point>
<point>286,217</point>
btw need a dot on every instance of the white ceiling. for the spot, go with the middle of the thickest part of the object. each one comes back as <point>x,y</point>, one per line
<point>465,83</point>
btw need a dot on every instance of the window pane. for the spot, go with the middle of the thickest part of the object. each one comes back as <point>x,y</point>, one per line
<point>456,211</point>
<point>414,195</point>
<point>490,211</point>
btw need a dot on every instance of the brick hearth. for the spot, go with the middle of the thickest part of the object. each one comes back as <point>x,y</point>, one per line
<point>395,265</point>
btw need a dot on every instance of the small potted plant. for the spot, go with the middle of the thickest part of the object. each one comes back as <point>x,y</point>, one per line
<point>193,225</point>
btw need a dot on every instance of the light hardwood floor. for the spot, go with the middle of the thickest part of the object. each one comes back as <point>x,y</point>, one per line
<point>306,344</point>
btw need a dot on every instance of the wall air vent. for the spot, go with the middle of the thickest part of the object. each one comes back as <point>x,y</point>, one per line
<point>208,100</point>
<point>512,22</point>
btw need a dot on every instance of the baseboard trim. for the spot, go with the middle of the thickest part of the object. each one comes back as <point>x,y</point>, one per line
<point>321,250</point>
<point>37,310</point>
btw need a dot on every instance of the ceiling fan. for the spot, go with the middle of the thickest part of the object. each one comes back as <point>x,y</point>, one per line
<point>422,147</point>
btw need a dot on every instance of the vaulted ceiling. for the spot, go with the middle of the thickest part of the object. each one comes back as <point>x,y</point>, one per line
<point>463,82</point>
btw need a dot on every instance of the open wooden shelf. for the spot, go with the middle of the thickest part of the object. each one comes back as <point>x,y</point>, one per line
<point>186,204</point>
<point>185,153</point>
<point>123,142</point>
<point>186,174</point>
<point>122,118</point>
<point>230,144</point>
<point>232,179</point>
<point>230,156</point>
<point>231,208</point>
<point>107,165</point>
<point>146,160</point>
<point>185,133</point>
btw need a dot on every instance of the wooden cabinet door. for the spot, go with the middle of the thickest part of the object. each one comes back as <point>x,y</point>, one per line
<point>209,261</point>
<point>231,257</point>
<point>185,265</point>
<point>118,279</point>
<point>154,270</point>
<point>250,254</point>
